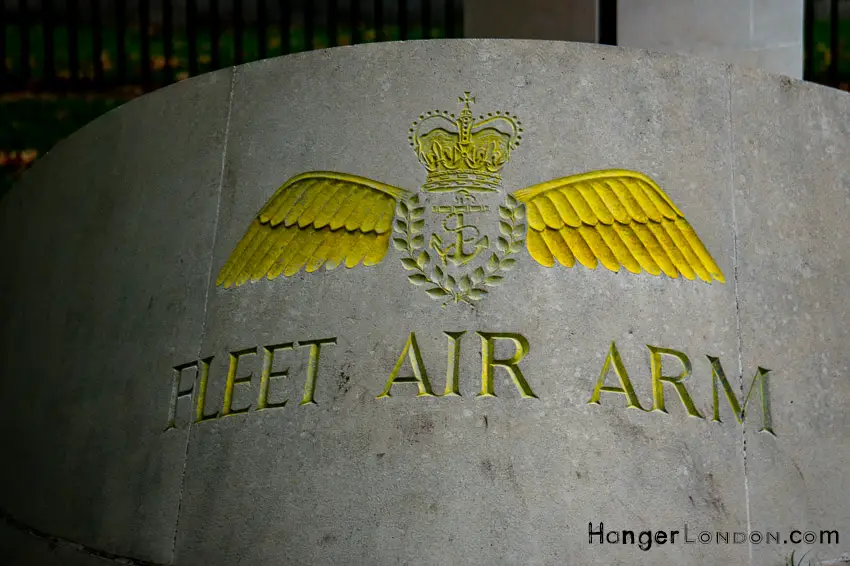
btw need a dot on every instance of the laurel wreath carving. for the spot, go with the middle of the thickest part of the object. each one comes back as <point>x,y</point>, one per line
<point>470,287</point>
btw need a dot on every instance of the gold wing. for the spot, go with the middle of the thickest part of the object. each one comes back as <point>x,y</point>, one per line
<point>616,218</point>
<point>314,219</point>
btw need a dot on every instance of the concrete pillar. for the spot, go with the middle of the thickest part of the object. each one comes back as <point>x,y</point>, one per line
<point>564,20</point>
<point>495,407</point>
<point>767,34</point>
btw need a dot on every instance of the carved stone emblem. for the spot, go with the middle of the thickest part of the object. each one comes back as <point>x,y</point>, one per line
<point>461,235</point>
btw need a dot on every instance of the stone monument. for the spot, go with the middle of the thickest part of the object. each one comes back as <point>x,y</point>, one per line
<point>443,302</point>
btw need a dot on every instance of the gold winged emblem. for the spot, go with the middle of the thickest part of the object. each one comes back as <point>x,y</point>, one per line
<point>616,218</point>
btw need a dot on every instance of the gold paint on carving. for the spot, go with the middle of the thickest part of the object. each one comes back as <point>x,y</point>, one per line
<point>626,388</point>
<point>511,365</point>
<point>453,364</point>
<point>440,284</point>
<point>559,249</point>
<point>615,217</point>
<point>313,367</point>
<point>202,392</point>
<point>618,217</point>
<point>634,245</point>
<point>303,225</point>
<point>268,375</point>
<point>177,393</point>
<point>578,246</point>
<point>658,380</point>
<point>671,250</point>
<point>420,375</point>
<point>622,255</point>
<point>464,153</point>
<point>717,373</point>
<point>232,381</point>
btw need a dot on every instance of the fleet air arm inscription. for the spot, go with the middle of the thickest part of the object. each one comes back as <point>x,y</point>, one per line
<point>670,372</point>
<point>615,217</point>
<point>459,236</point>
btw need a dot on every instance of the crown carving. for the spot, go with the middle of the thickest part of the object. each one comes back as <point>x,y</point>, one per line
<point>462,152</point>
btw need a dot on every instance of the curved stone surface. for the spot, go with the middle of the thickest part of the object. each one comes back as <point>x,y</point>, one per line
<point>115,327</point>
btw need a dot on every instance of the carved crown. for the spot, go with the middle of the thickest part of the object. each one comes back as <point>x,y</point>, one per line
<point>461,153</point>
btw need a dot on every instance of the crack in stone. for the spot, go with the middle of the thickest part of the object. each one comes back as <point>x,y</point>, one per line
<point>729,78</point>
<point>225,141</point>
<point>55,541</point>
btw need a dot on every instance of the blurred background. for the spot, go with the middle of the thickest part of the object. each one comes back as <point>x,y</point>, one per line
<point>65,62</point>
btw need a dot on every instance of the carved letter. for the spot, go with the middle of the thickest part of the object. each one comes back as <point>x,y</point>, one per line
<point>200,417</point>
<point>420,376</point>
<point>676,381</point>
<point>488,340</point>
<point>232,381</point>
<point>202,374</point>
<point>313,367</point>
<point>453,364</point>
<point>268,375</point>
<point>177,393</point>
<point>717,373</point>
<point>626,388</point>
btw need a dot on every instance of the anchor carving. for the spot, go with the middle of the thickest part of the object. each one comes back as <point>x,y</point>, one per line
<point>456,251</point>
<point>615,218</point>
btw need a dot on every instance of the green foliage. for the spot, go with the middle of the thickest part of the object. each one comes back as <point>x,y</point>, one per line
<point>33,124</point>
<point>275,43</point>
<point>822,55</point>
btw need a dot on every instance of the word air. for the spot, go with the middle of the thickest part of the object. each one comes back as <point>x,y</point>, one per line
<point>612,389</point>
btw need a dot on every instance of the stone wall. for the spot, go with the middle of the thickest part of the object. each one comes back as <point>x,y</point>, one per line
<point>116,330</point>
<point>761,34</point>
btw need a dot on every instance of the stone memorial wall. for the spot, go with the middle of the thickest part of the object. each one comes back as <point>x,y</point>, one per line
<point>444,302</point>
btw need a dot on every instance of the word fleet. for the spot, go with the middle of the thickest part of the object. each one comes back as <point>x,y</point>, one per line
<point>661,385</point>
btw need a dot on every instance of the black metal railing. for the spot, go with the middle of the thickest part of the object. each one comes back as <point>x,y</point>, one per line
<point>95,45</point>
<point>63,63</point>
<point>607,24</point>
<point>826,42</point>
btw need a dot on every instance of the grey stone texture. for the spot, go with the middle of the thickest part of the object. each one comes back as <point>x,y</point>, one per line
<point>792,297</point>
<point>106,260</point>
<point>21,548</point>
<point>763,34</point>
<point>116,239</point>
